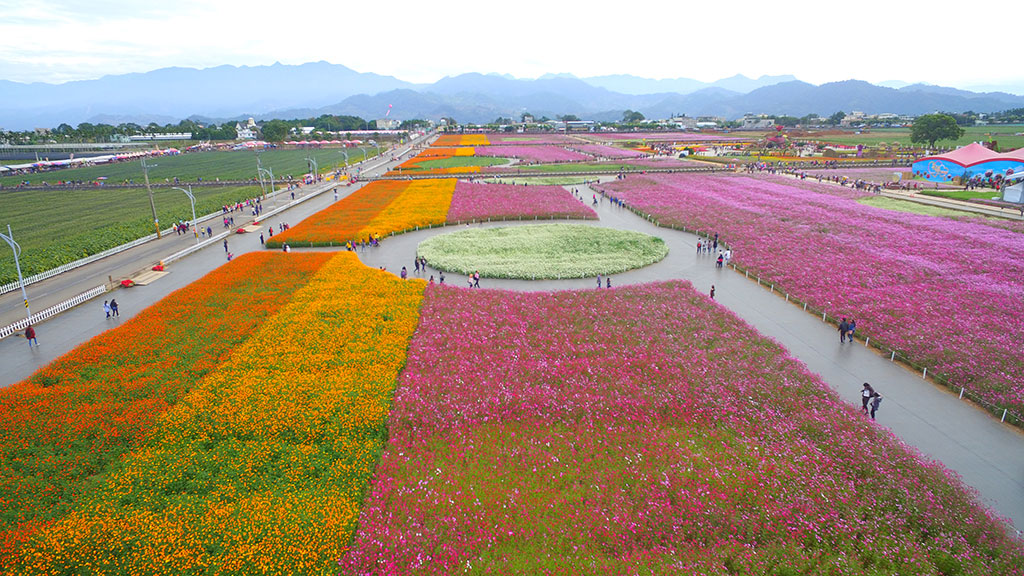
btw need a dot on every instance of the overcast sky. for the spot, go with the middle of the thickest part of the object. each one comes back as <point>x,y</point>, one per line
<point>60,40</point>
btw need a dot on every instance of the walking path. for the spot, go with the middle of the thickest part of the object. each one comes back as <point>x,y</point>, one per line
<point>988,456</point>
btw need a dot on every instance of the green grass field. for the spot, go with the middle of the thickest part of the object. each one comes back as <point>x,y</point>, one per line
<point>55,227</point>
<point>461,162</point>
<point>225,165</point>
<point>1005,135</point>
<point>911,207</point>
<point>984,194</point>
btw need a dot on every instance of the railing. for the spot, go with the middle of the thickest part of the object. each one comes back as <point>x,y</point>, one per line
<point>51,311</point>
<point>1004,414</point>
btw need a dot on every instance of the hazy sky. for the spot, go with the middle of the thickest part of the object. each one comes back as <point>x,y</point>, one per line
<point>60,40</point>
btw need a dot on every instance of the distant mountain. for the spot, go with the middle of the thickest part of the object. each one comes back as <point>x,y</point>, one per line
<point>181,92</point>
<point>227,93</point>
<point>629,84</point>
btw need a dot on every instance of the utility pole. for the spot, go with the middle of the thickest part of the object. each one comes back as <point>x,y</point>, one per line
<point>145,173</point>
<point>9,238</point>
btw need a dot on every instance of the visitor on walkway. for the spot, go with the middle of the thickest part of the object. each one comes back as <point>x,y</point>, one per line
<point>416,264</point>
<point>441,278</point>
<point>712,291</point>
<point>699,246</point>
<point>875,404</point>
<point>225,245</point>
<point>852,329</point>
<point>404,274</point>
<point>476,279</point>
<point>844,328</point>
<point>30,335</point>
<point>106,308</point>
<point>209,232</point>
<point>113,307</point>
<point>608,282</point>
<point>866,393</point>
<point>261,238</point>
<point>598,281</point>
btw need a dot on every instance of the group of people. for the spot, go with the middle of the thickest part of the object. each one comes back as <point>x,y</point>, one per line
<point>607,280</point>
<point>847,329</point>
<point>869,398</point>
<point>111,308</point>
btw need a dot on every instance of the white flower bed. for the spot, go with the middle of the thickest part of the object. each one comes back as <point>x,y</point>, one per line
<point>543,251</point>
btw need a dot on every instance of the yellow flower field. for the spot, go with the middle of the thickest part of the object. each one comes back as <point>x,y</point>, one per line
<point>422,203</point>
<point>261,468</point>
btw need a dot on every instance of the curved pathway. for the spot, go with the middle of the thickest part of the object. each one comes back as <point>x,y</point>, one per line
<point>989,456</point>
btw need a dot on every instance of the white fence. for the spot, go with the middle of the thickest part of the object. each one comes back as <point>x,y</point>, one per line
<point>51,311</point>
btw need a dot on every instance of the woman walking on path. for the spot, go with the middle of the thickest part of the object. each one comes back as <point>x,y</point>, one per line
<point>30,335</point>
<point>866,393</point>
<point>113,307</point>
<point>106,308</point>
<point>874,405</point>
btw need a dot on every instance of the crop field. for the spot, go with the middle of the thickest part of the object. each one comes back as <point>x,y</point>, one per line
<point>223,165</point>
<point>57,226</point>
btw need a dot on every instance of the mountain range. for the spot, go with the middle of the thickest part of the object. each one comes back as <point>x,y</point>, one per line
<point>228,93</point>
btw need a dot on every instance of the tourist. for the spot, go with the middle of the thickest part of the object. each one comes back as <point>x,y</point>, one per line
<point>851,329</point>
<point>844,327</point>
<point>875,404</point>
<point>261,238</point>
<point>30,335</point>
<point>106,308</point>
<point>476,279</point>
<point>866,393</point>
<point>598,281</point>
<point>608,282</point>
<point>404,274</point>
<point>441,278</point>
<point>225,244</point>
<point>113,307</point>
<point>712,291</point>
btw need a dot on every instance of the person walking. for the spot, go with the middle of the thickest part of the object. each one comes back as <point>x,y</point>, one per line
<point>875,404</point>
<point>404,274</point>
<point>441,278</point>
<point>476,279</point>
<point>113,307</point>
<point>852,329</point>
<point>712,291</point>
<point>599,281</point>
<point>225,244</point>
<point>30,335</point>
<point>261,238</point>
<point>720,260</point>
<point>866,394</point>
<point>106,308</point>
<point>608,282</point>
<point>844,327</point>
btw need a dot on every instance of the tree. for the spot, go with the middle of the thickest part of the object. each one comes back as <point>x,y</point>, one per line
<point>836,118</point>
<point>569,118</point>
<point>274,130</point>
<point>931,128</point>
<point>631,117</point>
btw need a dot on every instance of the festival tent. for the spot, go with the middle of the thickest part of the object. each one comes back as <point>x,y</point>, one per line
<point>967,162</point>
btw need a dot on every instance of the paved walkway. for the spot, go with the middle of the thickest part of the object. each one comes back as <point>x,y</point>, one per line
<point>988,455</point>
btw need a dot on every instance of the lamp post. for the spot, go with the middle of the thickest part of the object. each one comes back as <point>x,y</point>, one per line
<point>145,173</point>
<point>9,238</point>
<point>313,167</point>
<point>192,199</point>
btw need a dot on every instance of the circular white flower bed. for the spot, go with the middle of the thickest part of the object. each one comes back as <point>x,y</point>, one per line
<point>542,251</point>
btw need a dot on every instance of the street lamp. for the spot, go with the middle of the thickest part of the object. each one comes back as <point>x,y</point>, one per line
<point>192,199</point>
<point>313,167</point>
<point>9,238</point>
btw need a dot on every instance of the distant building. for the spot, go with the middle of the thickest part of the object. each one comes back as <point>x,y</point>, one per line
<point>388,124</point>
<point>757,122</point>
<point>573,125</point>
<point>244,133</point>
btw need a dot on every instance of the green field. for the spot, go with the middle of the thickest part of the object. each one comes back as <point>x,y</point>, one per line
<point>55,227</point>
<point>913,207</point>
<point>1005,135</point>
<point>984,194</point>
<point>225,165</point>
<point>577,167</point>
<point>460,162</point>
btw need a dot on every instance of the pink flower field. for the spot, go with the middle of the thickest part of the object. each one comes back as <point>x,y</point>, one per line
<point>945,293</point>
<point>521,139</point>
<point>643,430</point>
<point>541,154</point>
<point>602,151</point>
<point>475,201</point>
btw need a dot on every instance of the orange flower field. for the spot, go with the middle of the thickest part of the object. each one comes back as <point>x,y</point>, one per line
<point>462,140</point>
<point>262,466</point>
<point>63,428</point>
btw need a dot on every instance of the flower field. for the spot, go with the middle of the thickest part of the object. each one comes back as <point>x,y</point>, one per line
<point>63,429</point>
<point>535,154</point>
<point>521,139</point>
<point>387,206</point>
<point>262,466</point>
<point>475,201</point>
<point>542,251</point>
<point>944,293</point>
<point>603,151</point>
<point>643,430</point>
<point>462,140</point>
